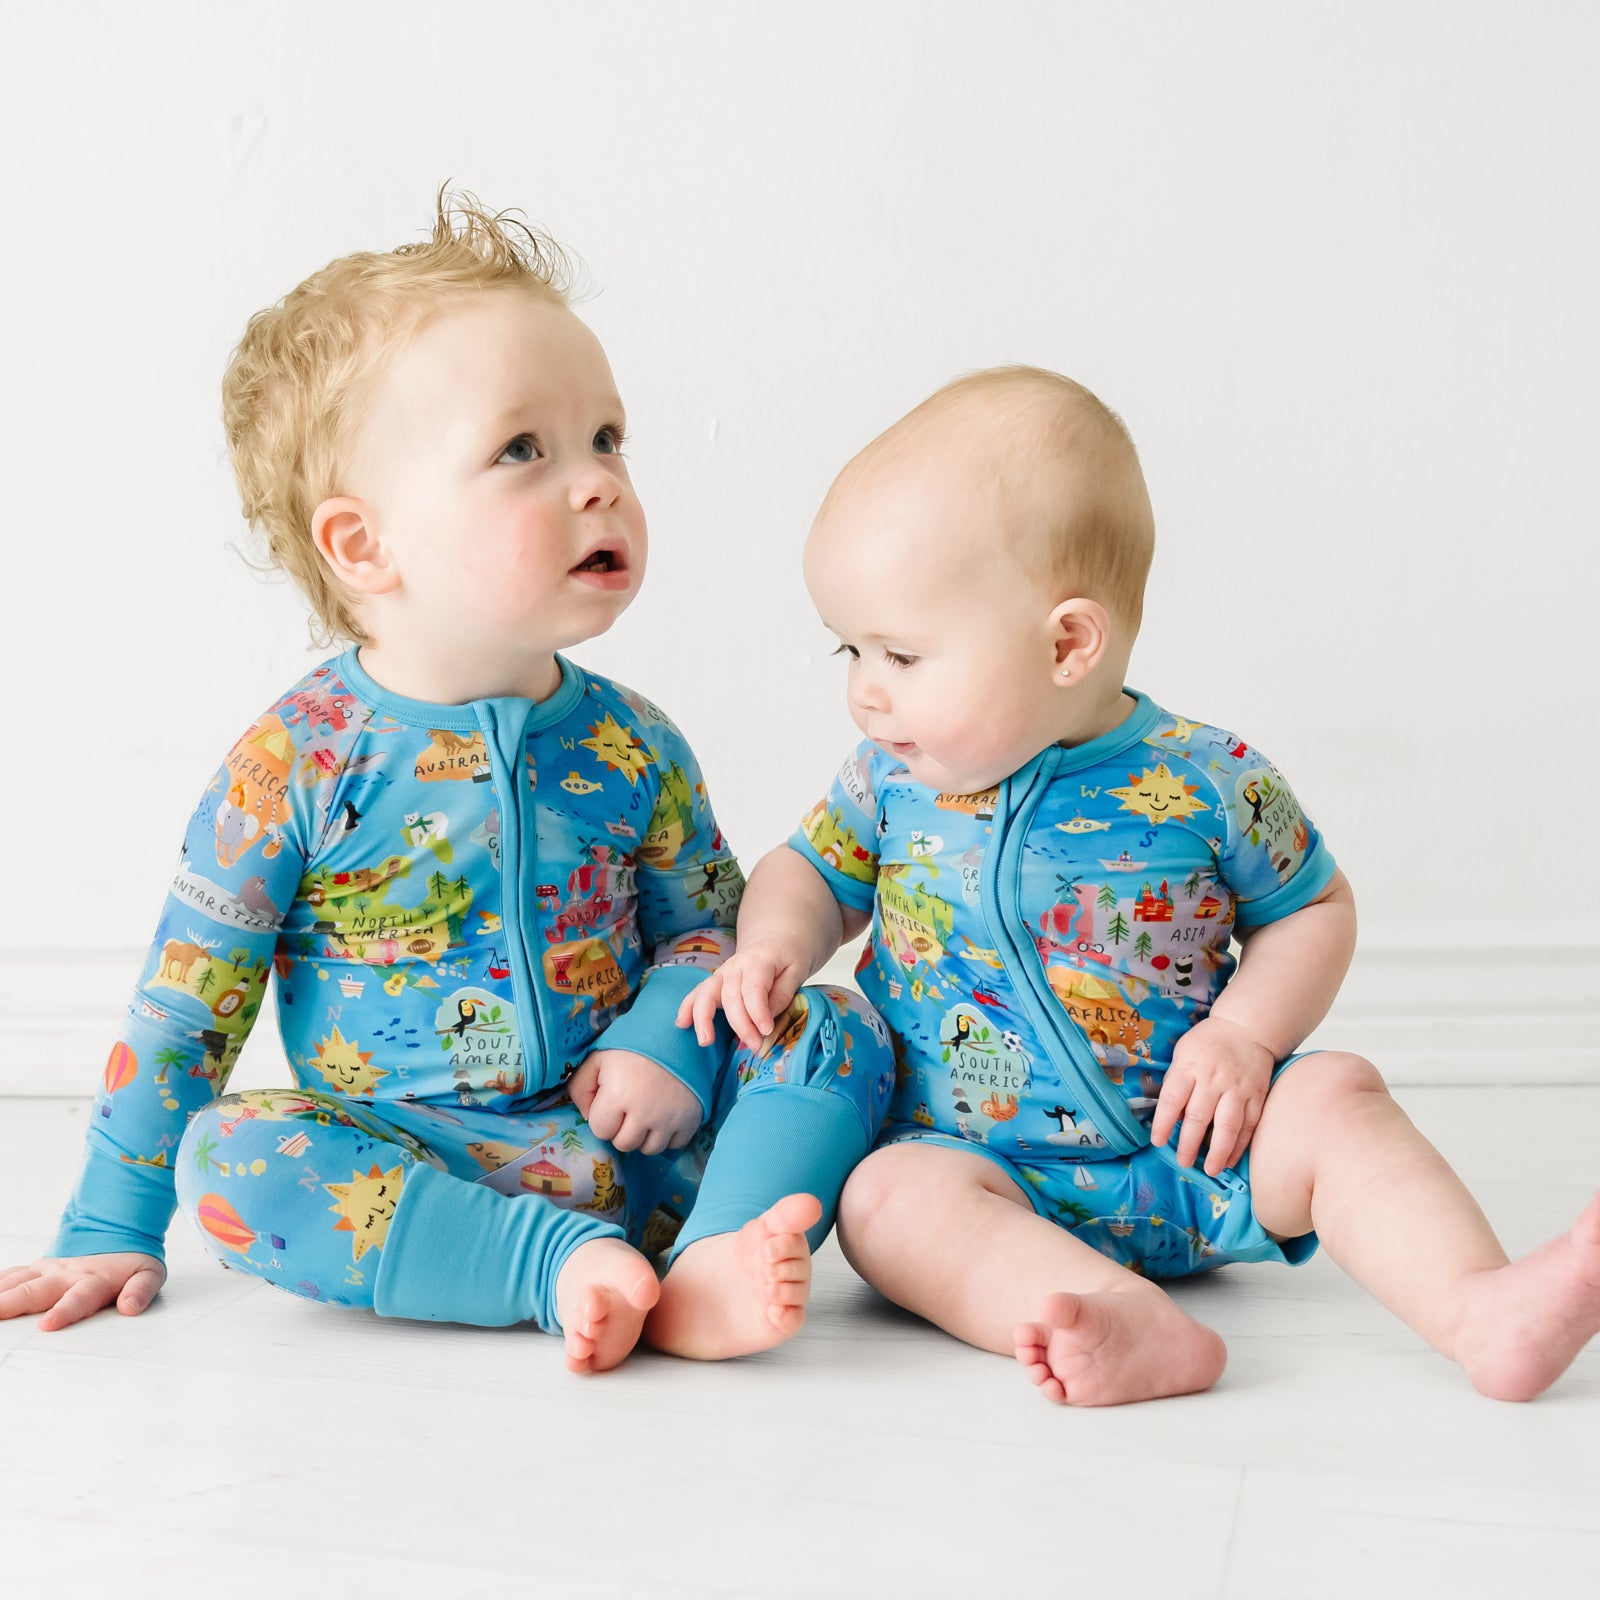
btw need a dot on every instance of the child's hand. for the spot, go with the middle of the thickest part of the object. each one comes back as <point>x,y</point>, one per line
<point>69,1288</point>
<point>753,986</point>
<point>1218,1079</point>
<point>632,1103</point>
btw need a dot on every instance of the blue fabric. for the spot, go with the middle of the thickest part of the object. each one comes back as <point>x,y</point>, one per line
<point>805,1110</point>
<point>467,1214</point>
<point>648,1029</point>
<point>774,1145</point>
<point>1144,1210</point>
<point>456,902</point>
<point>1038,950</point>
<point>458,1252</point>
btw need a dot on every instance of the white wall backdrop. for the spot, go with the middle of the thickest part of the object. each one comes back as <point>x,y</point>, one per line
<point>1336,265</point>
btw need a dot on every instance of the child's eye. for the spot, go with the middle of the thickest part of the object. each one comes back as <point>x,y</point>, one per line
<point>523,448</point>
<point>846,650</point>
<point>895,659</point>
<point>609,441</point>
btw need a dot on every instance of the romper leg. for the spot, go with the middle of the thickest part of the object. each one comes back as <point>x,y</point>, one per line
<point>796,1115</point>
<point>326,1199</point>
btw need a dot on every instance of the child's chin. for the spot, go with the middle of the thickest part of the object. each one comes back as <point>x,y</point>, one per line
<point>945,781</point>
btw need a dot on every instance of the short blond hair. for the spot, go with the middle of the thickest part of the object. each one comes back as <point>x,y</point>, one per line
<point>1069,459</point>
<point>294,389</point>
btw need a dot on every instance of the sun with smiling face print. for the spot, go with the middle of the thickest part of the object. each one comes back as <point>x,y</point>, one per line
<point>617,747</point>
<point>365,1206</point>
<point>1159,796</point>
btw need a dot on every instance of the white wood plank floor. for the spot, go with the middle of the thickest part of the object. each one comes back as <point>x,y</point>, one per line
<point>236,1442</point>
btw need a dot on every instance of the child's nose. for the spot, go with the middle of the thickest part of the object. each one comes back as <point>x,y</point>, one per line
<point>593,488</point>
<point>868,691</point>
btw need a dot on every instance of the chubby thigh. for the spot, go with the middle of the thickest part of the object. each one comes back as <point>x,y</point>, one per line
<point>1142,1211</point>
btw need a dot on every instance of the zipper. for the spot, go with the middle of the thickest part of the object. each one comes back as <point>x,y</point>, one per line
<point>529,1020</point>
<point>1122,1131</point>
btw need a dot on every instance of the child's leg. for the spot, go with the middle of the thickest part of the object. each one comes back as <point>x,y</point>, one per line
<point>256,1173</point>
<point>946,1234</point>
<point>800,1113</point>
<point>1335,1153</point>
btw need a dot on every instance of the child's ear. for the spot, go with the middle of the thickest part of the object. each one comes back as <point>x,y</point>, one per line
<point>342,532</point>
<point>1081,631</point>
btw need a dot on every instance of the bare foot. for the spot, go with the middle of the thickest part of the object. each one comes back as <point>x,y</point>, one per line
<point>1523,1324</point>
<point>603,1291</point>
<point>735,1293</point>
<point>1109,1348</point>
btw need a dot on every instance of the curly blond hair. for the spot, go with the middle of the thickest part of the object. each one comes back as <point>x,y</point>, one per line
<point>293,394</point>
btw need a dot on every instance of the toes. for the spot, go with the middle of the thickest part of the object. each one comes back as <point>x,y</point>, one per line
<point>592,1309</point>
<point>793,1214</point>
<point>1052,1390</point>
<point>1586,1230</point>
<point>643,1293</point>
<point>1030,1336</point>
<point>1061,1311</point>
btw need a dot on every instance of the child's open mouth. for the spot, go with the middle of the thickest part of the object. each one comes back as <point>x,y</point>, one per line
<point>604,569</point>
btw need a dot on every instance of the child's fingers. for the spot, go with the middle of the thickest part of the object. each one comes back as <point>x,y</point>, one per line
<point>1252,1120</point>
<point>631,1132</point>
<point>1197,1116</point>
<point>140,1290</point>
<point>82,1299</point>
<point>739,1018</point>
<point>1226,1131</point>
<point>784,988</point>
<point>581,1088</point>
<point>706,1000</point>
<point>15,1275</point>
<point>689,1006</point>
<point>699,1007</point>
<point>604,1118</point>
<point>26,1291</point>
<point>1175,1091</point>
<point>756,991</point>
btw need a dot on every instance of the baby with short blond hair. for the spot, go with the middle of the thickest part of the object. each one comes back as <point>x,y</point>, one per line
<point>479,877</point>
<point>1055,871</point>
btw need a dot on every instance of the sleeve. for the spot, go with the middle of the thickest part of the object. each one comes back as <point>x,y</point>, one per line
<point>199,992</point>
<point>689,887</point>
<point>839,833</point>
<point>1273,859</point>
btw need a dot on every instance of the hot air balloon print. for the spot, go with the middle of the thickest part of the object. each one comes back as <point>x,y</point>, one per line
<point>224,1224</point>
<point>122,1067</point>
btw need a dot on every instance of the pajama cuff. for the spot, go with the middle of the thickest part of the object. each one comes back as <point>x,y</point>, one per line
<point>458,1252</point>
<point>779,1139</point>
<point>857,893</point>
<point>649,1029</point>
<point>141,1198</point>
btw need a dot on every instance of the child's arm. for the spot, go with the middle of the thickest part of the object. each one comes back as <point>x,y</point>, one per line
<point>789,924</point>
<point>644,1086</point>
<point>201,987</point>
<point>1288,974</point>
